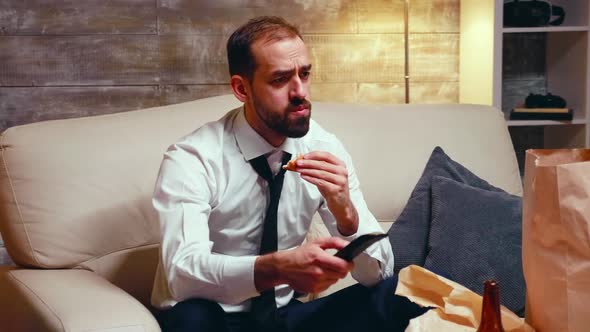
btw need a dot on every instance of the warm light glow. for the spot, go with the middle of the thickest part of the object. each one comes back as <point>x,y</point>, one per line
<point>477,50</point>
<point>371,53</point>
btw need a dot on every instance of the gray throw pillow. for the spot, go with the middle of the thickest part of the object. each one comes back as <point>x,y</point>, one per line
<point>476,235</point>
<point>409,233</point>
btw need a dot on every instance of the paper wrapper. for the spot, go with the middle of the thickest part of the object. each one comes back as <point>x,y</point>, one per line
<point>456,307</point>
<point>556,239</point>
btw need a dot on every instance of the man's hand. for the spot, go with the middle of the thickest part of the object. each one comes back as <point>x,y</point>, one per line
<point>330,175</point>
<point>307,269</point>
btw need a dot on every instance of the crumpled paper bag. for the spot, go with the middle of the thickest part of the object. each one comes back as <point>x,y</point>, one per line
<point>555,239</point>
<point>456,307</point>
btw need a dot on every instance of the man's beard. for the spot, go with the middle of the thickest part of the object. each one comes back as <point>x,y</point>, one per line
<point>281,123</point>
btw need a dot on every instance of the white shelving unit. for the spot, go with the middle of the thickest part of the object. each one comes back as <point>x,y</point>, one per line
<point>516,123</point>
<point>566,58</point>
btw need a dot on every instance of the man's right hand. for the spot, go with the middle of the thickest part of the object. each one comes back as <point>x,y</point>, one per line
<point>307,269</point>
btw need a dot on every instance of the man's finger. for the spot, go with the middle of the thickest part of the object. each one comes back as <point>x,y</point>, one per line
<point>329,262</point>
<point>323,156</point>
<point>324,181</point>
<point>320,165</point>
<point>331,243</point>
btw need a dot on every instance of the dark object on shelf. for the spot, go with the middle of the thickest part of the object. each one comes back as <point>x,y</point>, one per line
<point>559,114</point>
<point>532,13</point>
<point>544,101</point>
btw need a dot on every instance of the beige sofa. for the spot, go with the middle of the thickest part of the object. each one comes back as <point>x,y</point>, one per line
<point>75,197</point>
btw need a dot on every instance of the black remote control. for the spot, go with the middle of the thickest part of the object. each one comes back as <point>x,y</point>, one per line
<point>358,245</point>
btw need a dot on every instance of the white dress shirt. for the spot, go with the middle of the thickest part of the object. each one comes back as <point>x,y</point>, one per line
<point>211,205</point>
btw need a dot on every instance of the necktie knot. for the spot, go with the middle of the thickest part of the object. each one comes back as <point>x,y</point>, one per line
<point>260,165</point>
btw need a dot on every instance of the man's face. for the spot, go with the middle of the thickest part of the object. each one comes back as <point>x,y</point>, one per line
<point>279,98</point>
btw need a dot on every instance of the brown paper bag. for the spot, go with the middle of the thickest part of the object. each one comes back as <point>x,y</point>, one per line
<point>556,239</point>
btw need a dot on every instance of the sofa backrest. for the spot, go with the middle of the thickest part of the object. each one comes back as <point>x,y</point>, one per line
<point>76,193</point>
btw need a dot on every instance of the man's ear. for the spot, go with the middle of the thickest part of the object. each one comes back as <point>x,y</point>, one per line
<point>239,87</point>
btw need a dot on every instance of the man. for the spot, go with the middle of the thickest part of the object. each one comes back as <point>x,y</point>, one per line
<point>218,210</point>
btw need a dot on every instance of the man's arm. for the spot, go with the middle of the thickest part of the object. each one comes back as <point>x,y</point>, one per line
<point>182,199</point>
<point>340,189</point>
<point>307,269</point>
<point>330,175</point>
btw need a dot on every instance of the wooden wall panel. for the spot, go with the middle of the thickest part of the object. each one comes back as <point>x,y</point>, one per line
<point>42,17</point>
<point>326,16</point>
<point>332,92</point>
<point>24,105</point>
<point>202,17</point>
<point>434,16</point>
<point>177,47</point>
<point>30,104</point>
<point>420,92</point>
<point>380,16</point>
<point>434,92</point>
<point>357,58</point>
<point>206,17</point>
<point>193,59</point>
<point>174,94</point>
<point>433,57</point>
<point>381,93</point>
<point>78,60</point>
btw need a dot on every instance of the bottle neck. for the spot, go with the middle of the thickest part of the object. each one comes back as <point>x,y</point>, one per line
<point>491,318</point>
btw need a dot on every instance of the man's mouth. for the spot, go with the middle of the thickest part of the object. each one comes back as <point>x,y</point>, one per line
<point>299,111</point>
<point>302,107</point>
<point>299,108</point>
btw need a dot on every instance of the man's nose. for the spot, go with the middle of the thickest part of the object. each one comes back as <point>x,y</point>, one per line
<point>298,89</point>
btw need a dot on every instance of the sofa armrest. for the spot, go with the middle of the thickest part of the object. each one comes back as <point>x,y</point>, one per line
<point>68,300</point>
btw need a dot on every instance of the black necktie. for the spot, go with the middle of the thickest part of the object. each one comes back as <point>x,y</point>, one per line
<point>264,307</point>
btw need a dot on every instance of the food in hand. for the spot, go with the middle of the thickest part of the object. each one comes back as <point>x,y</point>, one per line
<point>292,164</point>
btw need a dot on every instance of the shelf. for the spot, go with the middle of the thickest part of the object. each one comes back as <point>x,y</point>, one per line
<point>513,62</point>
<point>546,29</point>
<point>515,123</point>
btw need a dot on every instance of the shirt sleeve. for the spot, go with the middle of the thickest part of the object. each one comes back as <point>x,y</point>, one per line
<point>183,194</point>
<point>376,262</point>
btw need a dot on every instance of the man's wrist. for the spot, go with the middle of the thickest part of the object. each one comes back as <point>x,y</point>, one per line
<point>266,272</point>
<point>348,221</point>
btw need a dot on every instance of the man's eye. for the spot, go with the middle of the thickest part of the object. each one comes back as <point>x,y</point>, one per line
<point>280,80</point>
<point>305,74</point>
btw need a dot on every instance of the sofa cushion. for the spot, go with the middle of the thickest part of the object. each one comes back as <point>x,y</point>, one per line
<point>409,233</point>
<point>476,235</point>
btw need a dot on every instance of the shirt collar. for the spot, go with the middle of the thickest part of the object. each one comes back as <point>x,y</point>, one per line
<point>252,144</point>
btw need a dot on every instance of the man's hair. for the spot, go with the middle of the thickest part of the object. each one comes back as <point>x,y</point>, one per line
<point>239,45</point>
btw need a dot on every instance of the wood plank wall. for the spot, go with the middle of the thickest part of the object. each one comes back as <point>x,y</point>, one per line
<point>68,58</point>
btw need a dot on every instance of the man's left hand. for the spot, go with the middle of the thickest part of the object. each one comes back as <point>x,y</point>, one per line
<point>330,175</point>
